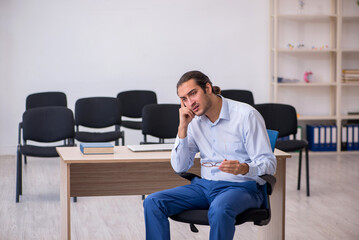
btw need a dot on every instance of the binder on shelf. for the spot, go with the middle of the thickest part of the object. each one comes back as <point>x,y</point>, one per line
<point>297,136</point>
<point>328,138</point>
<point>284,138</point>
<point>344,142</point>
<point>355,137</point>
<point>333,146</point>
<point>322,138</point>
<point>299,133</point>
<point>313,137</point>
<point>350,137</point>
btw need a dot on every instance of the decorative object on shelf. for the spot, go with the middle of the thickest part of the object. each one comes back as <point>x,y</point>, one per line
<point>300,45</point>
<point>320,48</point>
<point>287,80</point>
<point>308,76</point>
<point>301,5</point>
<point>290,46</point>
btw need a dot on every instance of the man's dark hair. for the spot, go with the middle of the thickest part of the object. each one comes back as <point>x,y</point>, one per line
<point>201,80</point>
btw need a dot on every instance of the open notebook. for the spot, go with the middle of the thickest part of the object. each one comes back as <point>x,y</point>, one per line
<point>151,147</point>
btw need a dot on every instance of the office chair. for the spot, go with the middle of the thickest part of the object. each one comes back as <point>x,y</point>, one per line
<point>43,125</point>
<point>46,99</point>
<point>43,99</point>
<point>283,118</point>
<point>98,112</point>
<point>245,96</point>
<point>132,103</point>
<point>259,216</point>
<point>160,121</point>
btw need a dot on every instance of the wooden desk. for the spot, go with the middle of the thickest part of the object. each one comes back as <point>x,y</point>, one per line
<point>129,173</point>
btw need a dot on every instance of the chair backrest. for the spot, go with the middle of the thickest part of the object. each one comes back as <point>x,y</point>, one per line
<point>97,112</point>
<point>46,99</point>
<point>48,124</point>
<point>160,120</point>
<point>273,135</point>
<point>245,96</point>
<point>279,117</point>
<point>132,102</point>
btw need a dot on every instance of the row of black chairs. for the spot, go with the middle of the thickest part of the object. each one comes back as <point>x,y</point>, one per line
<point>56,124</point>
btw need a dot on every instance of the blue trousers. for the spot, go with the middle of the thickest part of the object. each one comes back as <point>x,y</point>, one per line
<point>225,200</point>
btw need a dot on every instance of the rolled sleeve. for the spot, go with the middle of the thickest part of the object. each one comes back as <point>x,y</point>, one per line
<point>258,147</point>
<point>181,159</point>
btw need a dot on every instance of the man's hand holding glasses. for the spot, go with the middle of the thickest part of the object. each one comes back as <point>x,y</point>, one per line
<point>229,166</point>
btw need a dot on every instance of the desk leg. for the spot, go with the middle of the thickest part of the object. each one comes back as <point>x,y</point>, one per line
<point>65,200</point>
<point>275,230</point>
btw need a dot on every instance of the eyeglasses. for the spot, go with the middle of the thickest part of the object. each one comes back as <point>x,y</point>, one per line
<point>211,164</point>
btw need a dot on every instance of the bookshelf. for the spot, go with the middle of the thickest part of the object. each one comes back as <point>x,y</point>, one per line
<point>319,37</point>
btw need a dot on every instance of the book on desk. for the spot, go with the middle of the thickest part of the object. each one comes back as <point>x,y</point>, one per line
<point>97,148</point>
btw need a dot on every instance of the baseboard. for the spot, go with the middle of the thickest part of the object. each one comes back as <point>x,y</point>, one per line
<point>8,150</point>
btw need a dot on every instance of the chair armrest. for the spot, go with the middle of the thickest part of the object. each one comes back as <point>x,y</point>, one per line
<point>187,175</point>
<point>271,180</point>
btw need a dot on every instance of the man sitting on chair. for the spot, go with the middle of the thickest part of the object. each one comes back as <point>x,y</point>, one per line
<point>234,149</point>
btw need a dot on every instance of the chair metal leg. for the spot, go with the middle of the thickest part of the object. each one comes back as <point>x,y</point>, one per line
<point>307,170</point>
<point>25,160</point>
<point>299,168</point>
<point>18,176</point>
<point>193,228</point>
<point>143,197</point>
<point>144,139</point>
<point>75,199</point>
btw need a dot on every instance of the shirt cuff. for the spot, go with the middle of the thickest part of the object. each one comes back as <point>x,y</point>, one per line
<point>180,142</point>
<point>253,170</point>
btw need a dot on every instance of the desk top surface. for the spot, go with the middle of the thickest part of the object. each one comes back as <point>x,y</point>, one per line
<point>123,154</point>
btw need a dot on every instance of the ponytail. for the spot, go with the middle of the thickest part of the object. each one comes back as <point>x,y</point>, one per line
<point>216,90</point>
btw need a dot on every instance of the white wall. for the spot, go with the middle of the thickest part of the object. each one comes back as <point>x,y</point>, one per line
<point>99,48</point>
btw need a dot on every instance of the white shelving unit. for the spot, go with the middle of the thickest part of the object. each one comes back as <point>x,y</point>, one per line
<point>321,37</point>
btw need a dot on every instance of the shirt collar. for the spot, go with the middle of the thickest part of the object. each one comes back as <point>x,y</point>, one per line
<point>224,114</point>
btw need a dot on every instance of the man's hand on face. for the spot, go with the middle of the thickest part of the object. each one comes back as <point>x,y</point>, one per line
<point>186,115</point>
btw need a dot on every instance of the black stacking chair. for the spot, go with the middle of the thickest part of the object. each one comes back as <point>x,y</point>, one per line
<point>97,113</point>
<point>283,118</point>
<point>132,103</point>
<point>160,121</point>
<point>239,95</point>
<point>259,216</point>
<point>43,125</point>
<point>43,99</point>
<point>46,99</point>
